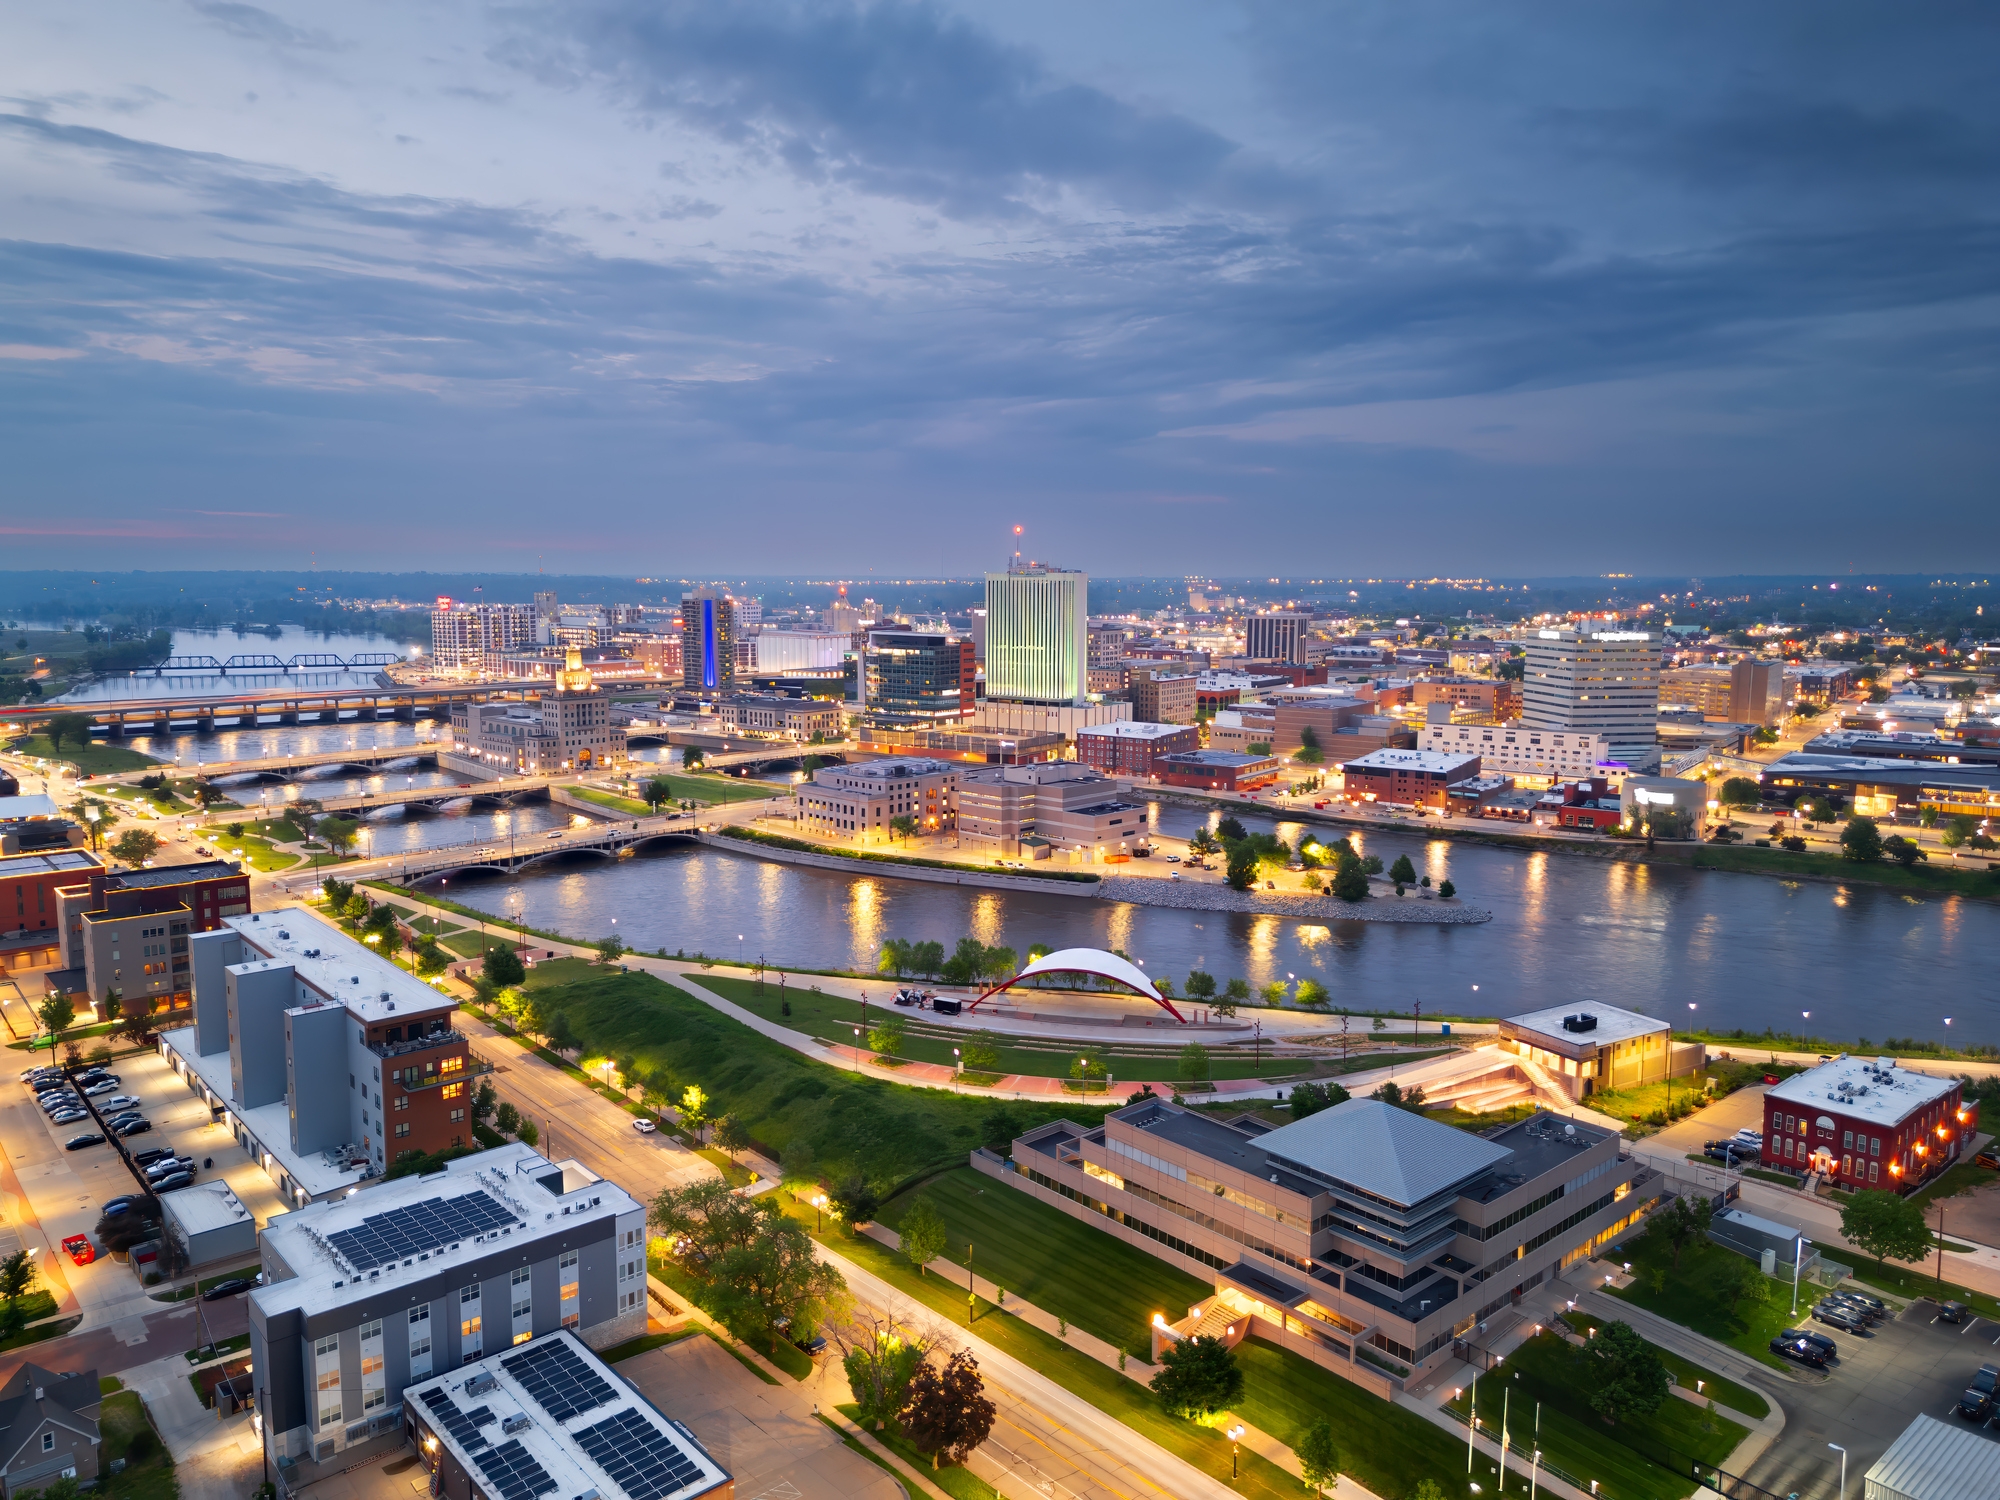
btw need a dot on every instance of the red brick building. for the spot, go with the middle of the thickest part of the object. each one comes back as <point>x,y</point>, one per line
<point>1408,778</point>
<point>1216,770</point>
<point>1580,804</point>
<point>1128,747</point>
<point>30,917</point>
<point>1865,1122</point>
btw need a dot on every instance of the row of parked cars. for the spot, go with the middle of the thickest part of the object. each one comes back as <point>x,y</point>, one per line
<point>60,1097</point>
<point>1852,1312</point>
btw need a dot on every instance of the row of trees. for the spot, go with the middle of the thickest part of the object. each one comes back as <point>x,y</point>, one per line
<point>970,962</point>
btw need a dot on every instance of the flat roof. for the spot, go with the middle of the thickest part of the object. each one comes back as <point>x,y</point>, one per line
<point>32,805</point>
<point>549,1417</point>
<point>1134,729</point>
<point>1395,1154</point>
<point>1862,1089</point>
<point>1613,1024</point>
<point>46,862</point>
<point>1411,760</point>
<point>205,1206</point>
<point>270,1124</point>
<point>349,972</point>
<point>159,875</point>
<point>1216,758</point>
<point>434,1222</point>
<point>1883,772</point>
<point>1219,1142</point>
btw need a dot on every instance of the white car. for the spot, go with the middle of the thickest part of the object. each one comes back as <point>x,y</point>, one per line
<point>644,1127</point>
<point>121,1101</point>
<point>100,1088</point>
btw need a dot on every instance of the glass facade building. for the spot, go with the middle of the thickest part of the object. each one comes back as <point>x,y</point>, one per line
<point>1037,635</point>
<point>708,642</point>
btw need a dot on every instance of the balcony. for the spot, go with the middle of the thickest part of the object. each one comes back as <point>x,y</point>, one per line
<point>431,1043</point>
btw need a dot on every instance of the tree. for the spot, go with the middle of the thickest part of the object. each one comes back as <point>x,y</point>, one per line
<point>1319,1457</point>
<point>1682,1223</point>
<point>854,1201</point>
<point>879,1357</point>
<point>694,1108</point>
<point>923,1234</point>
<point>337,833</point>
<point>507,1119</point>
<point>1740,791</point>
<point>135,846</point>
<point>136,1019</point>
<point>1904,851</point>
<point>1350,881</point>
<point>1312,994</point>
<point>1744,1283</point>
<point>503,966</point>
<point>1241,874</point>
<point>658,791</point>
<point>1273,993</point>
<point>526,1132</point>
<point>731,1135</point>
<point>562,1036</point>
<point>1088,1066</point>
<point>1230,831</point>
<point>610,950</point>
<point>17,1279</point>
<point>1861,840</point>
<point>1447,890</point>
<point>999,1130</point>
<point>1235,993</point>
<point>999,962</point>
<point>57,1013</point>
<point>927,957</point>
<point>1311,1098</point>
<point>692,758</point>
<point>1199,986</point>
<point>895,957</point>
<point>1627,1376</point>
<point>967,962</point>
<point>982,1053</point>
<point>1394,1095</point>
<point>1886,1225</point>
<point>1372,865</point>
<point>484,1102</point>
<point>74,728</point>
<point>887,1036</point>
<point>1198,1377</point>
<point>1203,843</point>
<point>904,826</point>
<point>1194,1063</point>
<point>946,1412</point>
<point>1402,870</point>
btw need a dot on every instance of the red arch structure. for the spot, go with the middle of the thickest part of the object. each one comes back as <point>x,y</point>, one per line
<point>1095,962</point>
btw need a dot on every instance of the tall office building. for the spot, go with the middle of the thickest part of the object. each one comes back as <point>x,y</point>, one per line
<point>1277,635</point>
<point>1037,635</point>
<point>1603,682</point>
<point>708,642</point>
<point>1757,691</point>
<point>918,678</point>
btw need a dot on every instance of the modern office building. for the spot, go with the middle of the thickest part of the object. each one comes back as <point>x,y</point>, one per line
<point>1129,748</point>
<point>1035,811</point>
<point>1161,694</point>
<point>1492,698</point>
<point>1601,682</point>
<point>1538,756</point>
<point>370,1294</point>
<point>1364,1237</point>
<point>860,804</point>
<point>31,925</point>
<point>1037,635</point>
<point>708,642</point>
<point>1865,1122</point>
<point>128,930</point>
<point>1882,788</point>
<point>1408,778</point>
<point>919,679</point>
<point>781,651</point>
<point>285,1007</point>
<point>568,728</point>
<point>1587,1049</point>
<point>1277,635</point>
<point>462,634</point>
<point>1664,806</point>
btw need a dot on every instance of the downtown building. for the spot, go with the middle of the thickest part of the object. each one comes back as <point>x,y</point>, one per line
<point>1034,811</point>
<point>1539,757</point>
<point>1600,682</point>
<point>860,804</point>
<point>129,930</point>
<point>1366,1238</point>
<point>372,1293</point>
<point>325,1061</point>
<point>1277,635</point>
<point>918,679</point>
<point>708,642</point>
<point>462,635</point>
<point>566,729</point>
<point>1037,635</point>
<point>1864,1122</point>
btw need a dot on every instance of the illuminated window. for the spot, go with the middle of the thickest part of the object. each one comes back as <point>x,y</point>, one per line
<point>454,1091</point>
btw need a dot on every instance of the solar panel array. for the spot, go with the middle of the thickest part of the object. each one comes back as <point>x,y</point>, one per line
<point>462,1425</point>
<point>514,1472</point>
<point>642,1460</point>
<point>561,1383</point>
<point>400,1233</point>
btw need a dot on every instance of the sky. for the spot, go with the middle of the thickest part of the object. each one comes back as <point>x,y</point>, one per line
<point>1398,289</point>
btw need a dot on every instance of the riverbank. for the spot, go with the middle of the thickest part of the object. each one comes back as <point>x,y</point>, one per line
<point>937,872</point>
<point>1305,906</point>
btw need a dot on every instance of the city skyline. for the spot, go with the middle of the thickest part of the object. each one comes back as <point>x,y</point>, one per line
<point>1503,292</point>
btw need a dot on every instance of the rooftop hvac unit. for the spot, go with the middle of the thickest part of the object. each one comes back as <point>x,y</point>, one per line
<point>1582,1022</point>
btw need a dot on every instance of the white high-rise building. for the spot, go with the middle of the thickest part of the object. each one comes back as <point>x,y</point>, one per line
<point>1037,635</point>
<point>1277,635</point>
<point>462,634</point>
<point>1601,682</point>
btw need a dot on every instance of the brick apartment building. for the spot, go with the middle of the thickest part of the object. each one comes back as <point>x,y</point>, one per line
<point>30,923</point>
<point>1217,770</point>
<point>1408,778</point>
<point>128,930</point>
<point>1131,748</point>
<point>1864,1122</point>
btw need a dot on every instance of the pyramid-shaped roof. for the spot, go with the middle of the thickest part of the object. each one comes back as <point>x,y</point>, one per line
<point>1392,1153</point>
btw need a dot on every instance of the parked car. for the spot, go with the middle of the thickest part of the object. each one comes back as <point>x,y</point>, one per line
<point>96,1075</point>
<point>168,1167</point>
<point>1813,1336</point>
<point>134,1127</point>
<point>121,1204</point>
<point>121,1101</point>
<point>1977,1402</point>
<point>1802,1350</point>
<point>69,1117</point>
<point>1729,1153</point>
<point>1873,1303</point>
<point>1832,1313</point>
<point>228,1288</point>
<point>1953,1312</point>
<point>79,1249</point>
<point>123,1117</point>
<point>79,1142</point>
<point>98,1089</point>
<point>644,1127</point>
<point>1861,1307</point>
<point>150,1155</point>
<point>174,1183</point>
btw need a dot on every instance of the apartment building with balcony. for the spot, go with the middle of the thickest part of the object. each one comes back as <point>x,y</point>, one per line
<point>325,1061</point>
<point>1365,1237</point>
<point>128,930</point>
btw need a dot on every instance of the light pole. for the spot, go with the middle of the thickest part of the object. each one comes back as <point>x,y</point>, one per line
<point>958,1066</point>
<point>1235,1437</point>
<point>1843,1468</point>
<point>819,1212</point>
<point>857,1050</point>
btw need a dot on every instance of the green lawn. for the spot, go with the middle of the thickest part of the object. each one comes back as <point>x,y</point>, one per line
<point>646,1342</point>
<point>1388,1449</point>
<point>611,800</point>
<point>1638,1458</point>
<point>1688,1296</point>
<point>473,944</point>
<point>786,1101</point>
<point>1937,878</point>
<point>834,1017</point>
<point>257,853</point>
<point>98,758</point>
<point>147,1476</point>
<point>36,1333</point>
<point>1069,1268</point>
<point>1116,1395</point>
<point>699,787</point>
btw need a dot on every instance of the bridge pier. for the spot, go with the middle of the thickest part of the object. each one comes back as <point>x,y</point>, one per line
<point>288,716</point>
<point>205,724</point>
<point>405,713</point>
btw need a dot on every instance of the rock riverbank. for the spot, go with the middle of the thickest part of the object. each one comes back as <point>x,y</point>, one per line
<point>1190,896</point>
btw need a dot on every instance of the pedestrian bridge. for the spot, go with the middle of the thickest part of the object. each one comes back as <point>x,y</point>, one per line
<point>599,841</point>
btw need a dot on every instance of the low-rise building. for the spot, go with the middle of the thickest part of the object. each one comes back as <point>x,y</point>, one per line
<point>1591,1048</point>
<point>34,824</point>
<point>1238,729</point>
<point>31,925</point>
<point>48,1429</point>
<point>860,804</point>
<point>779,715</point>
<point>208,1224</point>
<point>1216,770</point>
<point>1161,695</point>
<point>1664,806</point>
<point>1364,1237</point>
<point>1867,1122</point>
<point>285,1006</point>
<point>371,1294</point>
<point>1492,698</point>
<point>1587,803</point>
<point>128,930</point>
<point>1130,748</point>
<point>1490,797</point>
<point>1539,755</point>
<point>1408,778</point>
<point>1037,810</point>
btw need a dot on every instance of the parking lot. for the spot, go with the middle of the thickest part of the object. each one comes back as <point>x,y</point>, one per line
<point>1911,1363</point>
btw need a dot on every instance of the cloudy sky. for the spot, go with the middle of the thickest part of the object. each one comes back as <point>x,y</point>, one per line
<point>1339,288</point>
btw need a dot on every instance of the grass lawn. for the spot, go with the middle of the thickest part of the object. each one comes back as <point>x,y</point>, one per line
<point>1037,1251</point>
<point>1386,1448</point>
<point>1962,1178</point>
<point>1937,879</point>
<point>705,788</point>
<point>257,853</point>
<point>1116,1395</point>
<point>36,1333</point>
<point>612,800</point>
<point>645,1342</point>
<point>953,1479</point>
<point>1688,1296</point>
<point>35,1306</point>
<point>786,1101</point>
<point>149,1474</point>
<point>1639,1104</point>
<point>1641,1456</point>
<point>98,758</point>
<point>473,944</point>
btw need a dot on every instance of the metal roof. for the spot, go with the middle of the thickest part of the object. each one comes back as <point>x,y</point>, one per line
<point>1935,1460</point>
<point>1392,1153</point>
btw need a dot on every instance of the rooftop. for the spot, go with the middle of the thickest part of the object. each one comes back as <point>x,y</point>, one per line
<point>205,1206</point>
<point>1391,1153</point>
<point>1935,1460</point>
<point>1214,758</point>
<point>163,875</point>
<point>434,1222</point>
<point>46,862</point>
<point>350,972</point>
<point>1133,729</point>
<point>1434,762</point>
<point>549,1417</point>
<point>33,805</point>
<point>315,1172</point>
<point>1613,1024</point>
<point>1864,1088</point>
<point>1219,1142</point>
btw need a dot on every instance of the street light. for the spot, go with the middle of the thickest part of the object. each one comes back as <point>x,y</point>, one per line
<point>1235,1436</point>
<point>1843,1468</point>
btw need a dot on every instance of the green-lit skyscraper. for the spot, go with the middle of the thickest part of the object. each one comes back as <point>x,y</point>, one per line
<point>1037,635</point>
